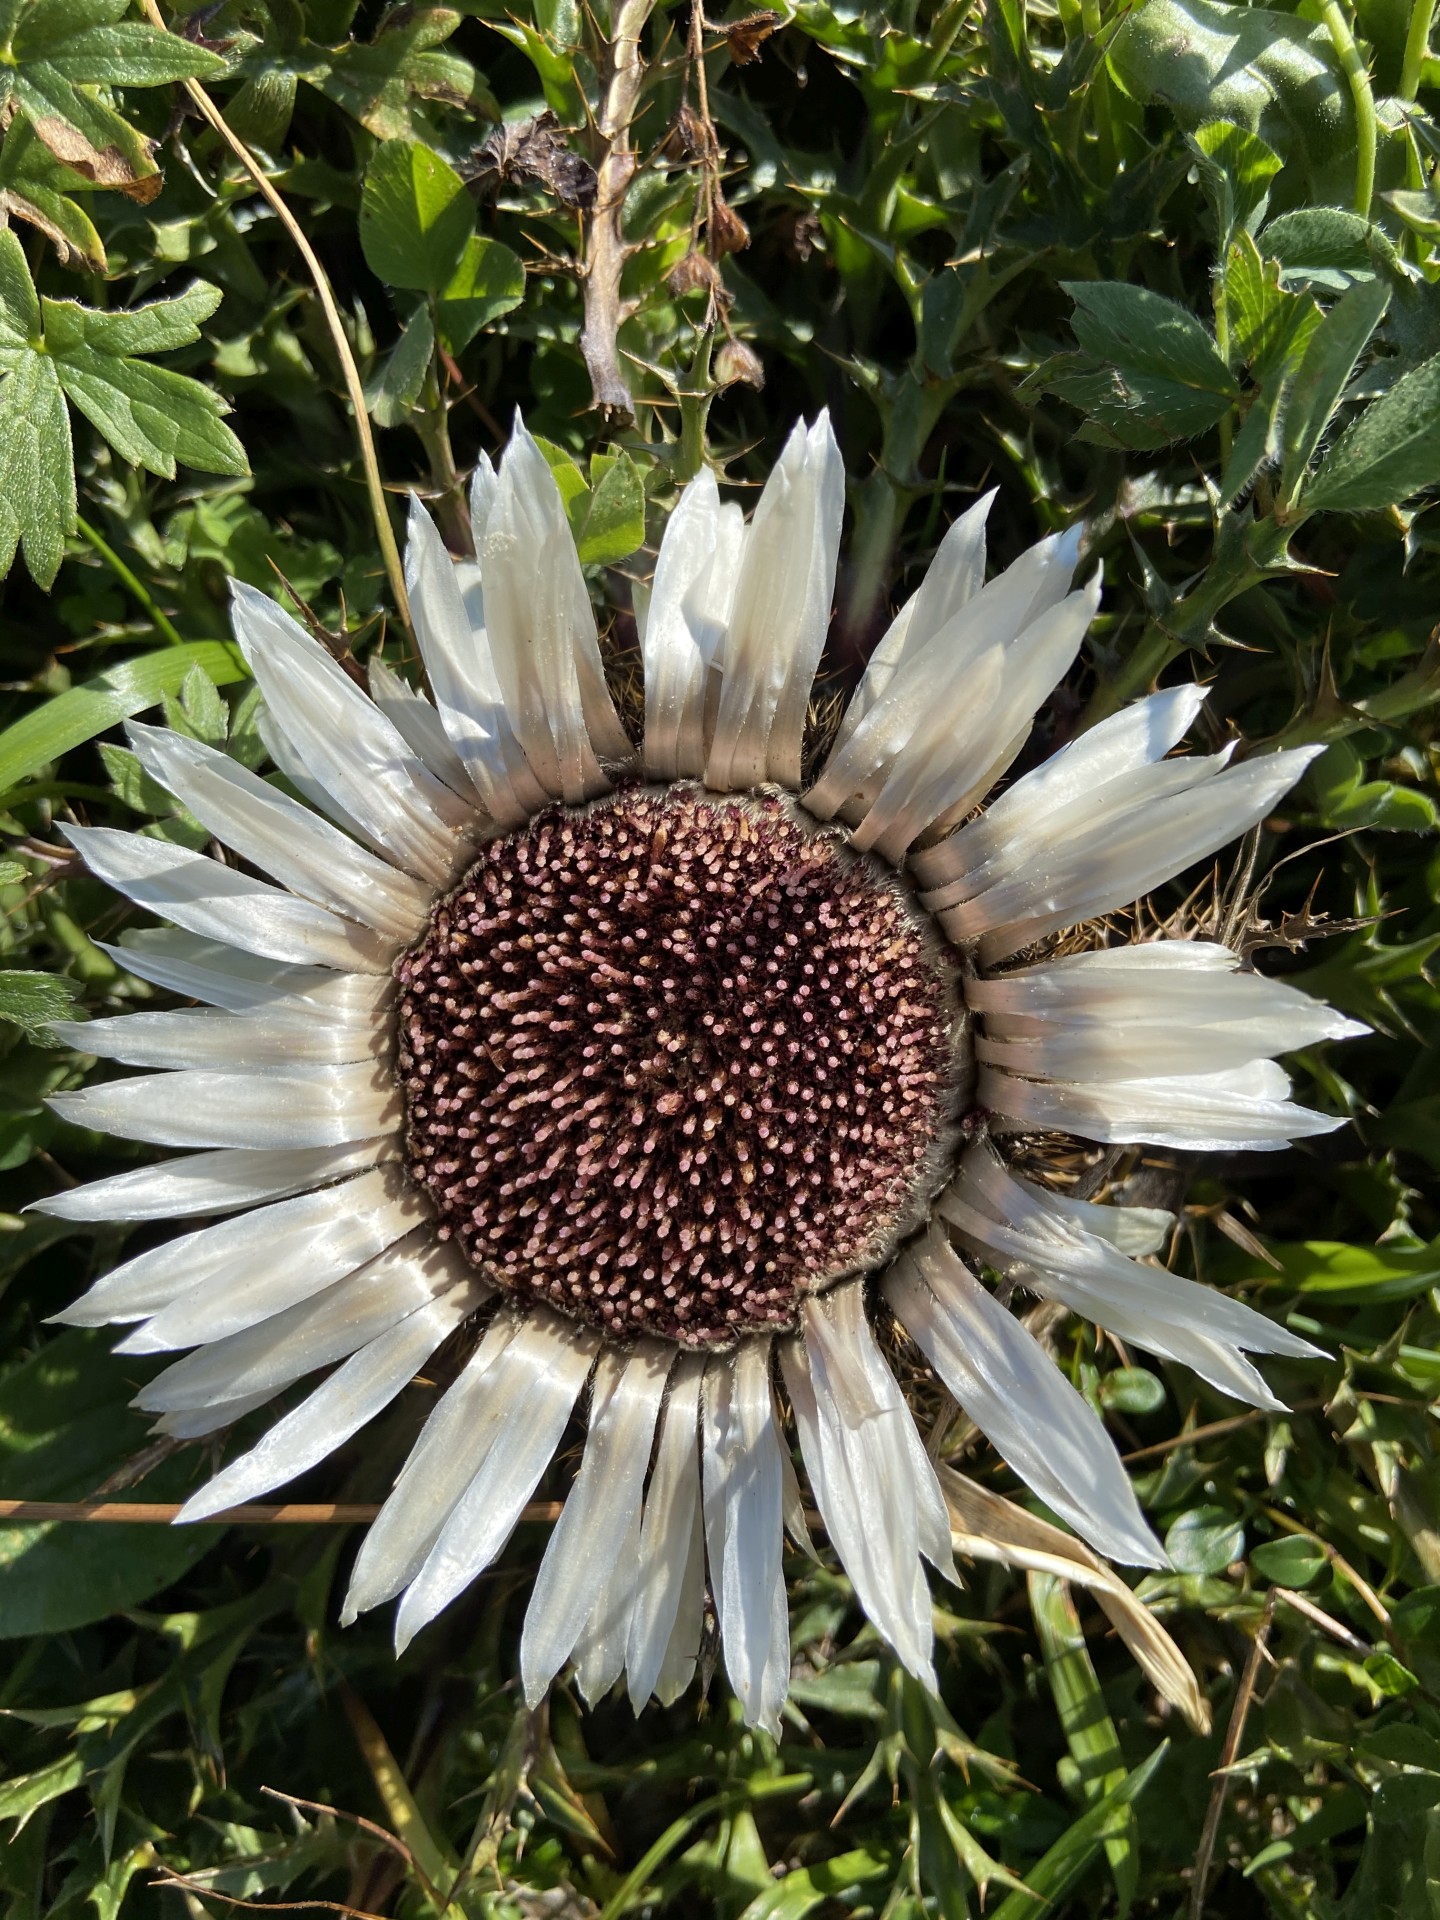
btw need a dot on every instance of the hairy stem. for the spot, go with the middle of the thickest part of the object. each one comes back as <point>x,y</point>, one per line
<point>620,94</point>
<point>1417,47</point>
<point>1356,73</point>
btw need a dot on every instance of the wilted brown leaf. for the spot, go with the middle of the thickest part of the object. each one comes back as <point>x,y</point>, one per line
<point>539,150</point>
<point>102,166</point>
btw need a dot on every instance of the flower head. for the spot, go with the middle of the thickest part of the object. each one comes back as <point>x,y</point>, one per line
<point>669,1074</point>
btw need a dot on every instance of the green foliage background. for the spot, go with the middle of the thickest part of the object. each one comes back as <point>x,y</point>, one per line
<point>1172,268</point>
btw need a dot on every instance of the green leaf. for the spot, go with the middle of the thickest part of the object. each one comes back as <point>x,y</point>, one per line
<point>1289,1563</point>
<point>609,521</point>
<point>72,718</point>
<point>1150,373</point>
<point>31,1001</point>
<point>393,390</point>
<point>1205,1540</point>
<point>152,416</point>
<point>1049,1882</point>
<point>379,83</point>
<point>1132,1390</point>
<point>37,466</point>
<point>415,217</point>
<point>489,281</point>
<point>1358,1276</point>
<point>1390,452</point>
<point>64,1427</point>
<point>1269,326</point>
<point>1329,360</point>
<point>1330,245</point>
<point>1089,1731</point>
<point>1265,71</point>
<point>159,327</point>
<point>1236,168</point>
<point>61,63</point>
<point>27,1793</point>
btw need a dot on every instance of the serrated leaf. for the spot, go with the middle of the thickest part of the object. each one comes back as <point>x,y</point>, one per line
<point>37,467</point>
<point>489,281</point>
<point>1390,452</point>
<point>59,67</point>
<point>31,1001</point>
<point>378,82</point>
<point>37,188</point>
<point>203,708</point>
<point>1150,373</point>
<point>151,415</point>
<point>134,787</point>
<point>1145,332</point>
<point>1324,372</point>
<point>415,217</point>
<point>158,327</point>
<point>1269,326</point>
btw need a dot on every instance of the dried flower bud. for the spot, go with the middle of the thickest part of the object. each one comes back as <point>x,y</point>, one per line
<point>687,137</point>
<point>693,274</point>
<point>725,231</point>
<point>735,362</point>
<point>745,38</point>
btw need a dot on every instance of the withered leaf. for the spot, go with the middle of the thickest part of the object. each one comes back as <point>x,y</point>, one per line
<point>539,150</point>
<point>101,166</point>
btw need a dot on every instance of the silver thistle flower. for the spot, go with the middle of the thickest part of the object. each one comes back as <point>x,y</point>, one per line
<point>674,1069</point>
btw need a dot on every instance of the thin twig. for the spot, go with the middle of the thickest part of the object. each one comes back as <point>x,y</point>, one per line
<point>183,1883</point>
<point>1321,1619</point>
<point>161,1512</point>
<point>374,486</point>
<point>606,251</point>
<point>1212,1430</point>
<point>1337,1560</point>
<point>1234,1733</point>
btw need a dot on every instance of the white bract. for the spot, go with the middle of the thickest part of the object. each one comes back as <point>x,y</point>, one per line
<point>325,1256</point>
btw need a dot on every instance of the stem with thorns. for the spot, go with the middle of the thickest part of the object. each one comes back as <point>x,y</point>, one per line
<point>624,73</point>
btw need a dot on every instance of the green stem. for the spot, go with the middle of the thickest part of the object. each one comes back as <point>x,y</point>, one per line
<point>432,423</point>
<point>1185,624</point>
<point>131,580</point>
<point>1417,48</point>
<point>883,501</point>
<point>1356,73</point>
<point>694,401</point>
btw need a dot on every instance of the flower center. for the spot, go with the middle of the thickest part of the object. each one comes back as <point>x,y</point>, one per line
<point>674,1060</point>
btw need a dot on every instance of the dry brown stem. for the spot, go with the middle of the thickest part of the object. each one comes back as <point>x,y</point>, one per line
<point>623,73</point>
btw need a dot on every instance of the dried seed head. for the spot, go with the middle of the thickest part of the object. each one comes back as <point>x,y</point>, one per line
<point>674,1060</point>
